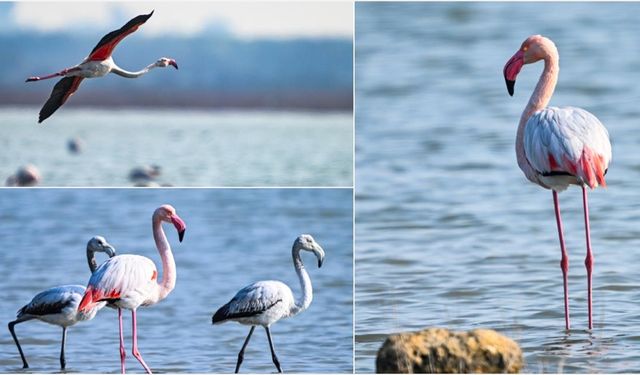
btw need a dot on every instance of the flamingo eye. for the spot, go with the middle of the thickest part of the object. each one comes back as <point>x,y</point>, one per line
<point>525,48</point>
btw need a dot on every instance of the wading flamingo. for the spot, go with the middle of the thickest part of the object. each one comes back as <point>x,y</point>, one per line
<point>265,302</point>
<point>557,147</point>
<point>59,305</point>
<point>129,281</point>
<point>98,64</point>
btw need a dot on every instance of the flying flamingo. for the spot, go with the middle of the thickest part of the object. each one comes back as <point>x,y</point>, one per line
<point>557,147</point>
<point>58,306</point>
<point>129,281</point>
<point>98,64</point>
<point>265,302</point>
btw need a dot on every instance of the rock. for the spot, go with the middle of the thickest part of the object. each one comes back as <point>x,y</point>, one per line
<point>438,350</point>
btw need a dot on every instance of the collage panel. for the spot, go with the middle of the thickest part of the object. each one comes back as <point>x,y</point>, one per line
<point>450,233</point>
<point>203,94</point>
<point>217,242</point>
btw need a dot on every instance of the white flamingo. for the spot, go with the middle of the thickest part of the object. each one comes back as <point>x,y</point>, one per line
<point>558,147</point>
<point>265,302</point>
<point>98,64</point>
<point>129,281</point>
<point>59,305</point>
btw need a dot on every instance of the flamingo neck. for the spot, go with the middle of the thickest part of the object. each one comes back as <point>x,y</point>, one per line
<point>127,74</point>
<point>91,259</point>
<point>538,100</point>
<point>168,281</point>
<point>303,302</point>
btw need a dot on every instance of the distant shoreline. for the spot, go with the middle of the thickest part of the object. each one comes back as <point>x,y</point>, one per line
<point>280,100</point>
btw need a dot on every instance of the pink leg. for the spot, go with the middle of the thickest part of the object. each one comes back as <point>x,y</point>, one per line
<point>136,353</point>
<point>588,261</point>
<point>564,262</point>
<point>123,353</point>
<point>61,73</point>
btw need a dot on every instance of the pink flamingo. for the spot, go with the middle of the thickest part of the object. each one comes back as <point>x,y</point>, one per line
<point>98,64</point>
<point>557,147</point>
<point>129,281</point>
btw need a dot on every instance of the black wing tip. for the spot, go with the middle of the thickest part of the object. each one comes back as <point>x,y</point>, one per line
<point>220,315</point>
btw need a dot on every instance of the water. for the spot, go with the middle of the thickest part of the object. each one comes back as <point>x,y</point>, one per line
<point>449,233</point>
<point>233,237</point>
<point>194,148</point>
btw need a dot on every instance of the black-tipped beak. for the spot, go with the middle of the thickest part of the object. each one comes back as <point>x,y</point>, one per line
<point>110,251</point>
<point>174,64</point>
<point>320,262</point>
<point>510,85</point>
<point>181,235</point>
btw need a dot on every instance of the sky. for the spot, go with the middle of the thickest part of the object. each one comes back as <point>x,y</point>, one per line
<point>249,20</point>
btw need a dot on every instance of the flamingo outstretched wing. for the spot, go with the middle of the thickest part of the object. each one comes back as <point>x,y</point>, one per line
<point>59,95</point>
<point>568,140</point>
<point>108,43</point>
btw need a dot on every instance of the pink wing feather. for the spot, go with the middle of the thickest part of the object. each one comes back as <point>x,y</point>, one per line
<point>569,140</point>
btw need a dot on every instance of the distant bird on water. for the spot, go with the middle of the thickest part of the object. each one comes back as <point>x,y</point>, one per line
<point>558,147</point>
<point>98,64</point>
<point>29,175</point>
<point>129,281</point>
<point>59,305</point>
<point>265,302</point>
<point>145,173</point>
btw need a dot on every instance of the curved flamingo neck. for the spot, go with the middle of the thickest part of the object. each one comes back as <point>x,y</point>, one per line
<point>538,100</point>
<point>168,281</point>
<point>127,74</point>
<point>303,302</point>
<point>91,259</point>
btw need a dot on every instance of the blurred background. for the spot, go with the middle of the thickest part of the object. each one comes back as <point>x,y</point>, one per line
<point>256,80</point>
<point>449,232</point>
<point>233,237</point>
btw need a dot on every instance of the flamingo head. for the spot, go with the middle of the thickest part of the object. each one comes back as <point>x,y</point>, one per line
<point>168,214</point>
<point>163,62</point>
<point>99,244</point>
<point>307,243</point>
<point>533,49</point>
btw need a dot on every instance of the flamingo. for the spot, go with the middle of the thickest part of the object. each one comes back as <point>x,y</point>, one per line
<point>98,64</point>
<point>28,175</point>
<point>58,305</point>
<point>265,302</point>
<point>558,147</point>
<point>129,281</point>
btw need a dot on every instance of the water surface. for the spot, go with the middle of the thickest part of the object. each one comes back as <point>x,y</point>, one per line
<point>194,148</point>
<point>449,232</point>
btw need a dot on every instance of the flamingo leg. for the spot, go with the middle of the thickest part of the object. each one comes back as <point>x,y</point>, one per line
<point>63,362</point>
<point>15,338</point>
<point>244,346</point>
<point>123,353</point>
<point>273,352</point>
<point>588,261</point>
<point>61,73</point>
<point>564,262</point>
<point>135,351</point>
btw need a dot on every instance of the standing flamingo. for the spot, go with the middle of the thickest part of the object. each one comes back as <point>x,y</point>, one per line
<point>98,64</point>
<point>557,147</point>
<point>59,305</point>
<point>129,281</point>
<point>265,302</point>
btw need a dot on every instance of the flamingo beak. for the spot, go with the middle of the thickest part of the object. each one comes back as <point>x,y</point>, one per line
<point>319,252</point>
<point>511,70</point>
<point>173,63</point>
<point>180,226</point>
<point>110,251</point>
